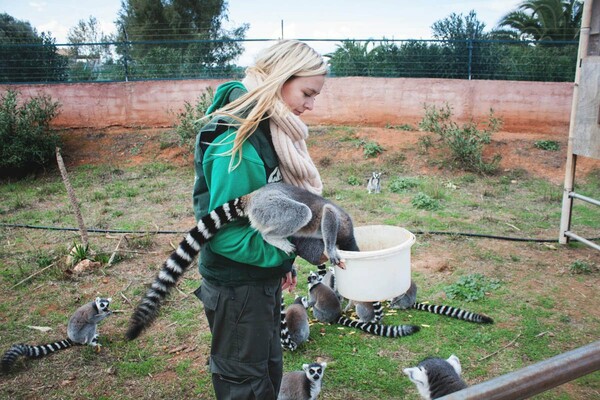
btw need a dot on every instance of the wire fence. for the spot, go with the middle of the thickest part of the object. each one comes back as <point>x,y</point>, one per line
<point>206,59</point>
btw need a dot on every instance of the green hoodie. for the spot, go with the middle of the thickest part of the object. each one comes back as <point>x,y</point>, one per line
<point>237,254</point>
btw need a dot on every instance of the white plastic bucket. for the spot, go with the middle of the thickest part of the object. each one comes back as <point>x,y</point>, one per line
<point>381,270</point>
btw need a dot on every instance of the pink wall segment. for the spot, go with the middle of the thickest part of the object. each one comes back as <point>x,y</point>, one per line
<point>542,107</point>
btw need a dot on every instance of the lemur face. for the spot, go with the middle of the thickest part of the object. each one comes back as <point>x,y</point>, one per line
<point>314,371</point>
<point>103,304</point>
<point>313,278</point>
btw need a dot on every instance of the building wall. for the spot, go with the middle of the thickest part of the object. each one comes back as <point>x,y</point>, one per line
<point>542,107</point>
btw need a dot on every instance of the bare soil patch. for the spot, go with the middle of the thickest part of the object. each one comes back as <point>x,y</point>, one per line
<point>130,147</point>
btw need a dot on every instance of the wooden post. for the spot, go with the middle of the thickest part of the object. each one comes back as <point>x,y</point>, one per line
<point>71,193</point>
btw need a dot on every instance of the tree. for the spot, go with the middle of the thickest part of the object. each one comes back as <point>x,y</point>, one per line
<point>91,50</point>
<point>89,32</point>
<point>352,58</point>
<point>466,50</point>
<point>26,56</point>
<point>186,37</point>
<point>542,20</point>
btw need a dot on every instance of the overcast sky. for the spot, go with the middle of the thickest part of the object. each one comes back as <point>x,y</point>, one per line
<point>309,19</point>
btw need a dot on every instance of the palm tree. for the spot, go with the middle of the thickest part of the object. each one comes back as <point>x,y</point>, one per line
<point>541,20</point>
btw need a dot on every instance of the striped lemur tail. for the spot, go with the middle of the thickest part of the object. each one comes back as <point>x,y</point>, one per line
<point>179,261</point>
<point>28,351</point>
<point>392,331</point>
<point>409,300</point>
<point>454,312</point>
<point>285,337</point>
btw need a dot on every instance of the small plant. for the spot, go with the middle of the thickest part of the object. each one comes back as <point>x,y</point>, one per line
<point>401,127</point>
<point>78,253</point>
<point>398,184</point>
<point>353,181</point>
<point>471,287</point>
<point>190,120</point>
<point>372,149</point>
<point>464,144</point>
<point>549,145</point>
<point>425,202</point>
<point>580,267</point>
<point>25,134</point>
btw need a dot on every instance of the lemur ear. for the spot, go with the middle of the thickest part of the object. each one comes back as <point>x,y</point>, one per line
<point>415,374</point>
<point>305,367</point>
<point>455,363</point>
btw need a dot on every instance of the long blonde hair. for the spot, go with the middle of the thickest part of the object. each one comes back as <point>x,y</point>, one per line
<point>275,65</point>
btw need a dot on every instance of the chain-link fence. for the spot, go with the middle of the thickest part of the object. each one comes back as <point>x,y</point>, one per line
<point>200,59</point>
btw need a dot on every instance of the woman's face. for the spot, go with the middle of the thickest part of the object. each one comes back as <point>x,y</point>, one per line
<point>299,92</point>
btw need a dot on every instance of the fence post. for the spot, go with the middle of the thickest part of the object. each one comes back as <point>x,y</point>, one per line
<point>470,45</point>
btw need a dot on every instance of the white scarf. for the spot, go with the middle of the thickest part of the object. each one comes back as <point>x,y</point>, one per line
<point>289,136</point>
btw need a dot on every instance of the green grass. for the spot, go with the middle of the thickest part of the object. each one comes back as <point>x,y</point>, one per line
<point>544,303</point>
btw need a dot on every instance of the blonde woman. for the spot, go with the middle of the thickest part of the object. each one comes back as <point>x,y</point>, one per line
<point>255,137</point>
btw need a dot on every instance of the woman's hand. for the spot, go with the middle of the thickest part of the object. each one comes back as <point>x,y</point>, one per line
<point>289,281</point>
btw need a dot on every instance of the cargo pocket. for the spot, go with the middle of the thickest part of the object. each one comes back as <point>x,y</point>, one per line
<point>208,295</point>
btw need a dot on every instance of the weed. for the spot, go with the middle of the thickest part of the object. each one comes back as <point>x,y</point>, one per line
<point>549,145</point>
<point>190,121</point>
<point>401,127</point>
<point>78,253</point>
<point>580,267</point>
<point>325,162</point>
<point>354,181</point>
<point>141,242</point>
<point>425,202</point>
<point>400,184</point>
<point>372,149</point>
<point>471,287</point>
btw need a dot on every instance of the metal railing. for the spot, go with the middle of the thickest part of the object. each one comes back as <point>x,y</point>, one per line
<point>536,378</point>
<point>192,59</point>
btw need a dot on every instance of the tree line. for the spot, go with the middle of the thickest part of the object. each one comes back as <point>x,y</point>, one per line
<point>170,39</point>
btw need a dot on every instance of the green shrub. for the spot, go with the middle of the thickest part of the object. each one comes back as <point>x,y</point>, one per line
<point>425,202</point>
<point>550,145</point>
<point>464,144</point>
<point>354,181</point>
<point>471,287</point>
<point>28,143</point>
<point>372,149</point>
<point>190,119</point>
<point>398,184</point>
<point>580,267</point>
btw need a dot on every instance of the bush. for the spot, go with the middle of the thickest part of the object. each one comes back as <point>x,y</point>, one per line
<point>471,287</point>
<point>28,143</point>
<point>425,202</point>
<point>464,144</point>
<point>190,120</point>
<point>398,184</point>
<point>549,145</point>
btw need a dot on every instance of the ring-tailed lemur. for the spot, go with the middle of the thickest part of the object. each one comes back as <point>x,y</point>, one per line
<point>81,329</point>
<point>303,385</point>
<point>327,308</point>
<point>436,377</point>
<point>295,328</point>
<point>374,184</point>
<point>367,312</point>
<point>409,300</point>
<point>278,211</point>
